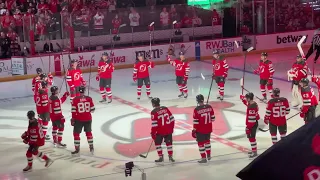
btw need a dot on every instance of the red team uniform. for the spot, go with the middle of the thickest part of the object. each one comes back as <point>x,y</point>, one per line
<point>56,116</point>
<point>266,72</point>
<point>182,70</point>
<point>35,138</point>
<point>220,72</point>
<point>82,107</point>
<point>252,117</point>
<point>42,106</point>
<point>162,128</point>
<point>74,79</point>
<point>141,74</point>
<point>276,111</point>
<point>309,101</point>
<point>203,116</point>
<point>104,76</point>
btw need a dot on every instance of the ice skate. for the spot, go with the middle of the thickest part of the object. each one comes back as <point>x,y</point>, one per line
<point>103,100</point>
<point>48,162</point>
<point>218,97</point>
<point>27,169</point>
<point>159,160</point>
<point>180,95</point>
<point>109,101</point>
<point>91,150</point>
<point>76,153</point>
<point>203,160</point>
<point>150,97</point>
<point>253,154</point>
<point>138,97</point>
<point>185,95</point>
<point>61,145</point>
<point>221,98</point>
<point>209,158</point>
<point>171,159</point>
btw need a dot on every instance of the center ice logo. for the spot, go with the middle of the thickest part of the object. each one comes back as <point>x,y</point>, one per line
<point>134,138</point>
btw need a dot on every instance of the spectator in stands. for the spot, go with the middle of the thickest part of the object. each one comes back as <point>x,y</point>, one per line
<point>7,21</point>
<point>51,25</point>
<point>11,4</point>
<point>14,46</point>
<point>216,20</point>
<point>186,21</point>
<point>174,16</point>
<point>42,6</point>
<point>85,20</point>
<point>3,9</point>
<point>65,4</point>
<point>5,46</point>
<point>112,5</point>
<point>53,6</point>
<point>152,14</point>
<point>41,29</point>
<point>18,21</point>
<point>98,20</point>
<point>116,22</point>
<point>164,18</point>
<point>134,18</point>
<point>196,21</point>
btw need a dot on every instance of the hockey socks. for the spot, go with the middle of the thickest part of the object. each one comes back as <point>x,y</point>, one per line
<point>159,150</point>
<point>253,144</point>
<point>263,90</point>
<point>221,88</point>
<point>54,133</point>
<point>45,127</point>
<point>103,93</point>
<point>89,138</point>
<point>60,134</point>
<point>76,140</point>
<point>139,91</point>
<point>283,135</point>
<point>202,149</point>
<point>274,138</point>
<point>180,88</point>
<point>208,148</point>
<point>169,148</point>
<point>109,93</point>
<point>148,89</point>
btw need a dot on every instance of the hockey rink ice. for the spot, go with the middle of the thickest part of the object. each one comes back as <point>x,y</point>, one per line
<point>121,130</point>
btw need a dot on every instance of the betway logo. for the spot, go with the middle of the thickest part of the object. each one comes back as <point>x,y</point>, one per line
<point>117,59</point>
<point>290,39</point>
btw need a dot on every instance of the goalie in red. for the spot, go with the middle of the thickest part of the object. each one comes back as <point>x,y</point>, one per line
<point>34,137</point>
<point>309,101</point>
<point>266,72</point>
<point>74,79</point>
<point>203,116</point>
<point>251,121</point>
<point>162,128</point>
<point>104,76</point>
<point>277,109</point>
<point>220,72</point>
<point>141,74</point>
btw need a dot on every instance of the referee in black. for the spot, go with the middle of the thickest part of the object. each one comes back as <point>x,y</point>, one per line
<point>315,46</point>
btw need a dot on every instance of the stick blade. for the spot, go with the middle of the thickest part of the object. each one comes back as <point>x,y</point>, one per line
<point>202,76</point>
<point>263,130</point>
<point>236,43</point>
<point>241,82</point>
<point>250,49</point>
<point>143,156</point>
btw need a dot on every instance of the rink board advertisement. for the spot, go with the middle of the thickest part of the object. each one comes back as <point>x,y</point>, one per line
<point>5,68</point>
<point>224,46</point>
<point>18,66</point>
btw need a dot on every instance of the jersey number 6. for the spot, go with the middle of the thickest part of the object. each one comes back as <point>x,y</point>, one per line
<point>279,111</point>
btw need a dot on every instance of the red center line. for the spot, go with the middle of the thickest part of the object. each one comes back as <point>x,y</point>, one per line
<point>214,137</point>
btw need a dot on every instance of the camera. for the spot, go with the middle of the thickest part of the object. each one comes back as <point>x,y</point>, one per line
<point>128,169</point>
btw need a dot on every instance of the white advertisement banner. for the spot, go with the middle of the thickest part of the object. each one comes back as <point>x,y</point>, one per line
<point>18,66</point>
<point>5,68</point>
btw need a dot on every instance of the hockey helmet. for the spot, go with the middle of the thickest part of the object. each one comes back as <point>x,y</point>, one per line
<point>53,89</point>
<point>82,89</point>
<point>140,54</point>
<point>199,98</point>
<point>249,96</point>
<point>305,81</point>
<point>276,92</point>
<point>43,76</point>
<point>39,70</point>
<point>44,84</point>
<point>299,56</point>
<point>105,54</point>
<point>155,101</point>
<point>73,61</point>
<point>264,54</point>
<point>215,52</point>
<point>31,114</point>
<point>181,53</point>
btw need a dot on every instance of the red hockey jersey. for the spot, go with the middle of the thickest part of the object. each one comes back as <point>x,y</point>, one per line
<point>74,77</point>
<point>162,121</point>
<point>252,115</point>
<point>317,81</point>
<point>182,68</point>
<point>309,99</point>
<point>300,71</point>
<point>42,100</point>
<point>55,106</point>
<point>266,70</point>
<point>105,69</point>
<point>276,111</point>
<point>203,116</point>
<point>82,107</point>
<point>35,133</point>
<point>140,69</point>
<point>36,83</point>
<point>220,67</point>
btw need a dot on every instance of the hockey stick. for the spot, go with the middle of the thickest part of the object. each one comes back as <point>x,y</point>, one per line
<point>244,65</point>
<point>173,23</point>
<point>209,90</point>
<point>265,130</point>
<point>90,73</point>
<point>64,69</point>
<point>145,156</point>
<point>150,25</point>
<point>241,84</point>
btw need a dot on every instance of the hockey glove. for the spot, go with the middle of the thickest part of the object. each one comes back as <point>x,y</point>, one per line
<point>84,83</point>
<point>256,71</point>
<point>72,122</point>
<point>302,114</point>
<point>314,79</point>
<point>72,88</point>
<point>134,79</point>
<point>24,135</point>
<point>193,133</point>
<point>185,79</point>
<point>97,78</point>
<point>153,136</point>
<point>242,97</point>
<point>26,141</point>
<point>248,131</point>
<point>266,121</point>
<point>66,94</point>
<point>270,81</point>
<point>62,121</point>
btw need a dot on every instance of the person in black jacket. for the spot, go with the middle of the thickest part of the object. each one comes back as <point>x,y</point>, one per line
<point>315,46</point>
<point>5,43</point>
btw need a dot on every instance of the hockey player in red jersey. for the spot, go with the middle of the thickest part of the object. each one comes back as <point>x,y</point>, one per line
<point>251,121</point>
<point>43,109</point>
<point>276,111</point>
<point>162,128</point>
<point>203,116</point>
<point>266,72</point>
<point>309,101</point>
<point>316,80</point>
<point>298,71</point>
<point>182,73</point>
<point>36,78</point>
<point>220,72</point>
<point>141,74</point>
<point>34,137</point>
<point>82,107</point>
<point>36,81</point>
<point>75,79</point>
<point>104,76</point>
<point>56,115</point>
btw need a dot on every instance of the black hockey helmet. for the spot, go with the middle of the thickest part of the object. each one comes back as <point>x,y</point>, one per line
<point>215,52</point>
<point>105,54</point>
<point>53,89</point>
<point>199,98</point>
<point>39,71</point>
<point>276,92</point>
<point>155,101</point>
<point>140,54</point>
<point>44,84</point>
<point>264,54</point>
<point>299,56</point>
<point>31,114</point>
<point>82,89</point>
<point>305,81</point>
<point>249,96</point>
<point>43,76</point>
<point>73,61</point>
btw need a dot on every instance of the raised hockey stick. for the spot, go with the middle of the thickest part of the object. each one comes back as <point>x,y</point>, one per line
<point>173,23</point>
<point>145,156</point>
<point>244,65</point>
<point>150,25</point>
<point>265,130</point>
<point>299,45</point>
<point>64,69</point>
<point>90,74</point>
